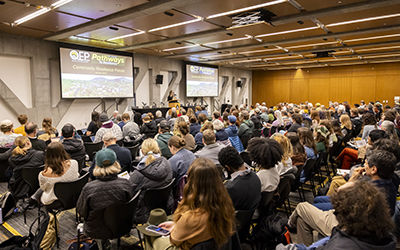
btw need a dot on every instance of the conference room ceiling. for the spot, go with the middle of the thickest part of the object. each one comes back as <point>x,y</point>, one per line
<point>292,33</point>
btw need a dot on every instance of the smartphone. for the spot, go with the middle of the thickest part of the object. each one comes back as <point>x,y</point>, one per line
<point>158,230</point>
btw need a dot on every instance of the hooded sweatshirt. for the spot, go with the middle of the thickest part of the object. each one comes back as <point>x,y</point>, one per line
<point>246,127</point>
<point>162,140</point>
<point>75,148</point>
<point>154,175</point>
<point>232,130</point>
<point>149,129</point>
<point>33,158</point>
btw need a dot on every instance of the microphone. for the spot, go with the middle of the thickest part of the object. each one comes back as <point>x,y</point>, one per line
<point>155,104</point>
<point>144,104</point>
<point>162,103</point>
<point>188,103</point>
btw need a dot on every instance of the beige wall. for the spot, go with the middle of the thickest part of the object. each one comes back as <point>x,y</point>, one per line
<point>369,82</point>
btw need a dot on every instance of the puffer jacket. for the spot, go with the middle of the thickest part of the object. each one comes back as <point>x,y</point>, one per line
<point>232,130</point>
<point>75,148</point>
<point>33,158</point>
<point>95,197</point>
<point>156,174</point>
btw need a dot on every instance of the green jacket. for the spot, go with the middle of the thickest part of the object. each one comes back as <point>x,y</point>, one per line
<point>246,127</point>
<point>162,140</point>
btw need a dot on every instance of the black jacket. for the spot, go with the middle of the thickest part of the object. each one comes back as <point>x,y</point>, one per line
<point>149,129</point>
<point>156,174</point>
<point>98,195</point>
<point>124,158</point>
<point>159,119</point>
<point>75,148</point>
<point>38,144</point>
<point>341,240</point>
<point>17,185</point>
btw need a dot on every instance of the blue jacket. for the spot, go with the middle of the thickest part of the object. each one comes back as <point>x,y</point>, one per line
<point>194,128</point>
<point>221,135</point>
<point>237,143</point>
<point>232,130</point>
<point>180,163</point>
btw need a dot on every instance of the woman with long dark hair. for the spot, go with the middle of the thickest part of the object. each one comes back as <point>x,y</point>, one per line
<point>94,124</point>
<point>206,212</point>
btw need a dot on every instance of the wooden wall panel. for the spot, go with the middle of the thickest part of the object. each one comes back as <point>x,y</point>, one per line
<point>299,90</point>
<point>282,91</point>
<point>386,90</point>
<point>363,88</point>
<point>340,89</point>
<point>345,83</point>
<point>319,91</point>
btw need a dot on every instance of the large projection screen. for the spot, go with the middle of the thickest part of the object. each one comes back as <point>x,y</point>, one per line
<point>201,81</point>
<point>87,73</point>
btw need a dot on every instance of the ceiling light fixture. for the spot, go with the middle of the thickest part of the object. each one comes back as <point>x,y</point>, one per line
<point>382,48</point>
<point>41,11</point>
<point>287,31</point>
<point>124,36</point>
<point>246,9</point>
<point>308,45</point>
<point>370,38</point>
<point>257,51</point>
<point>176,24</point>
<point>227,41</point>
<point>363,20</point>
<point>248,60</point>
<point>183,47</point>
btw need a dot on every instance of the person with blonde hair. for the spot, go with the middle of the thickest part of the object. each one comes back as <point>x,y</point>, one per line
<point>176,129</point>
<point>101,193</point>
<point>346,124</point>
<point>285,166</point>
<point>153,171</point>
<point>205,215</point>
<point>181,157</point>
<point>47,131</point>
<point>23,156</point>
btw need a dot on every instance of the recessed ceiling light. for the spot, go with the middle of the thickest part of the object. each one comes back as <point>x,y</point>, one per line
<point>287,31</point>
<point>184,47</point>
<point>176,24</point>
<point>246,9</point>
<point>129,35</point>
<point>370,38</point>
<point>362,20</point>
<point>118,5</point>
<point>227,41</point>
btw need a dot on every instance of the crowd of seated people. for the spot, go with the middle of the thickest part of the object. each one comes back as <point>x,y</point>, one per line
<point>280,139</point>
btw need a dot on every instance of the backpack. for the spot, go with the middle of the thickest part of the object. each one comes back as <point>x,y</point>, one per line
<point>271,231</point>
<point>36,233</point>
<point>7,205</point>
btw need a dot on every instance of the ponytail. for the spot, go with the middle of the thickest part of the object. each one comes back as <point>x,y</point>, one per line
<point>150,158</point>
<point>149,148</point>
<point>20,143</point>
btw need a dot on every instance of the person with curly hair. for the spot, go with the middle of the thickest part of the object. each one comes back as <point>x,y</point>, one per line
<point>266,153</point>
<point>363,220</point>
<point>379,167</point>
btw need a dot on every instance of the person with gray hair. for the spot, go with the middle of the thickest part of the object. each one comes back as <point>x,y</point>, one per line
<point>264,115</point>
<point>123,154</point>
<point>390,130</point>
<point>101,193</point>
<point>159,117</point>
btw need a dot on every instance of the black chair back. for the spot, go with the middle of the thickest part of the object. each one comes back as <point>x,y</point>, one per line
<point>244,220</point>
<point>119,217</point>
<point>265,203</point>
<point>81,163</point>
<point>245,140</point>
<point>31,176</point>
<point>68,192</point>
<point>309,167</point>
<point>221,171</point>
<point>121,142</point>
<point>86,138</point>
<point>158,197</point>
<point>92,148</point>
<point>134,150</point>
<point>284,190</point>
<point>256,133</point>
<point>296,182</point>
<point>79,132</point>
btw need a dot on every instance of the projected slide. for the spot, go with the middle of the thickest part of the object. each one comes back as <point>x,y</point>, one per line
<point>88,74</point>
<point>201,81</point>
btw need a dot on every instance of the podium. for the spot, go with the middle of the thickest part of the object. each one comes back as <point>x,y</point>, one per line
<point>174,103</point>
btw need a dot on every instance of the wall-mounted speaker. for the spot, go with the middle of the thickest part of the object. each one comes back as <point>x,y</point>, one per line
<point>239,84</point>
<point>159,79</point>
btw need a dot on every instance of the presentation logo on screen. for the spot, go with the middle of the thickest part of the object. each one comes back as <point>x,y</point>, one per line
<point>79,56</point>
